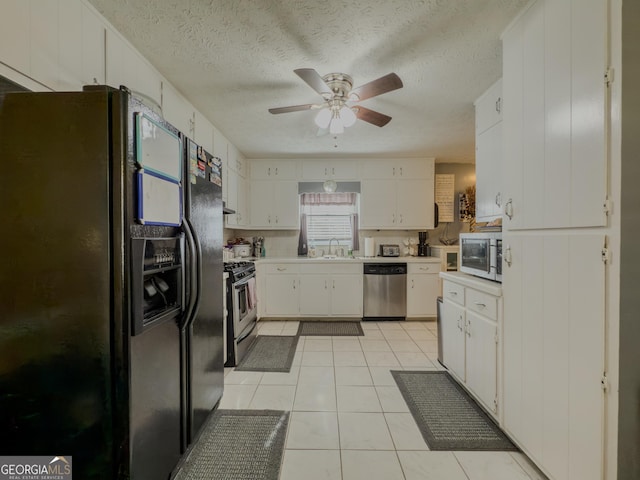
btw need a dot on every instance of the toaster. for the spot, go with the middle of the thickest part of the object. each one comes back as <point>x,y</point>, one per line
<point>389,250</point>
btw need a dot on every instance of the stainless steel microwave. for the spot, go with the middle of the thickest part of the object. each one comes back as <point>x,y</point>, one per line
<point>481,255</point>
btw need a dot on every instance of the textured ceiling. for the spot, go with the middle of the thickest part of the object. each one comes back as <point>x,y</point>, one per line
<point>234,59</point>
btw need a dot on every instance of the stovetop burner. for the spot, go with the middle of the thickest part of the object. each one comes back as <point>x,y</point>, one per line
<point>238,270</point>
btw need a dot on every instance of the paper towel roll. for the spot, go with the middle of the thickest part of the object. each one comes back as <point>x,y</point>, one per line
<point>369,247</point>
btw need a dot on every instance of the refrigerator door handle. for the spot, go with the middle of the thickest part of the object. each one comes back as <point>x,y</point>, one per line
<point>193,266</point>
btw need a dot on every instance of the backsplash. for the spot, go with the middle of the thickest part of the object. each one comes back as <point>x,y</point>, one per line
<point>284,243</point>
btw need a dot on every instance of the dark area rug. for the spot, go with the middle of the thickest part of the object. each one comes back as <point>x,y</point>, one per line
<point>238,445</point>
<point>270,353</point>
<point>448,418</point>
<point>335,329</point>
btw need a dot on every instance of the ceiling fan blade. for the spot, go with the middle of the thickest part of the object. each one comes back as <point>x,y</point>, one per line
<point>377,87</point>
<point>375,118</point>
<point>293,108</point>
<point>314,80</point>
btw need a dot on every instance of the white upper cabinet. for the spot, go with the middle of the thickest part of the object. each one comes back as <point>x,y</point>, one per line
<point>329,169</point>
<point>489,108</point>
<point>397,168</point>
<point>93,48</point>
<point>397,194</point>
<point>127,67</point>
<point>273,169</point>
<point>274,204</point>
<point>44,52</point>
<point>220,146</point>
<point>70,45</point>
<point>177,111</point>
<point>555,121</point>
<point>489,154</point>
<point>203,134</point>
<point>15,36</point>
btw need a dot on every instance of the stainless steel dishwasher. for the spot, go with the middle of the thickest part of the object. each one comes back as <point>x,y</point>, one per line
<point>385,291</point>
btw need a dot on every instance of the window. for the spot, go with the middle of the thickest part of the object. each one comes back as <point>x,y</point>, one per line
<point>327,216</point>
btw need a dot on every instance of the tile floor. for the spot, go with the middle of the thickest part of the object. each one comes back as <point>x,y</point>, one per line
<point>348,419</point>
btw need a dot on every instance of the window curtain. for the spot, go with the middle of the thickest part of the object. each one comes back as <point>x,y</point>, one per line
<point>302,240</point>
<point>328,199</point>
<point>354,232</point>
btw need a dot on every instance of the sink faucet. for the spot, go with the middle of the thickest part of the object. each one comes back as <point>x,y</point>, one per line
<point>330,241</point>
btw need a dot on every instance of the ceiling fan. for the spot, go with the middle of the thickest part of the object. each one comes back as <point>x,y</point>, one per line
<point>340,108</point>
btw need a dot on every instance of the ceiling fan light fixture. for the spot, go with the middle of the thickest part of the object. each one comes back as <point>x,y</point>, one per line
<point>347,116</point>
<point>323,118</point>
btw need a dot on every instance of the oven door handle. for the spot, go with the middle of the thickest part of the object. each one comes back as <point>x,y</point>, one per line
<point>193,265</point>
<point>244,281</point>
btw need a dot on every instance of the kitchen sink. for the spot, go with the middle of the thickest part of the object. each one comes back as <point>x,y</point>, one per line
<point>333,257</point>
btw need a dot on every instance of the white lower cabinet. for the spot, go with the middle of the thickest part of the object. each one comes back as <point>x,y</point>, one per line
<point>281,296</point>
<point>331,289</point>
<point>453,344</point>
<point>482,358</point>
<point>470,337</point>
<point>346,295</point>
<point>315,294</point>
<point>312,290</point>
<point>423,287</point>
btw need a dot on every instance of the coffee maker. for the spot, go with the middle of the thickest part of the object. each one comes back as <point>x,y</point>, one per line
<point>424,250</point>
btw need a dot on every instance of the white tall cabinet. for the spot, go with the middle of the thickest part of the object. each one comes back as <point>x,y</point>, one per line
<point>555,192</point>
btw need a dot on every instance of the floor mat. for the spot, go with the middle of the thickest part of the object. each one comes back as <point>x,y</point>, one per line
<point>336,329</point>
<point>270,353</point>
<point>238,445</point>
<point>448,418</point>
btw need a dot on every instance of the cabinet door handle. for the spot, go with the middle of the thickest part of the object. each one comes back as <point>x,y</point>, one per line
<point>507,255</point>
<point>468,328</point>
<point>269,171</point>
<point>425,268</point>
<point>282,269</point>
<point>269,219</point>
<point>333,171</point>
<point>325,285</point>
<point>412,283</point>
<point>276,218</point>
<point>393,219</point>
<point>400,171</point>
<point>294,284</point>
<point>453,293</point>
<point>460,322</point>
<point>334,284</point>
<point>394,171</point>
<point>480,304</point>
<point>499,104</point>
<point>276,170</point>
<point>508,208</point>
<point>498,199</point>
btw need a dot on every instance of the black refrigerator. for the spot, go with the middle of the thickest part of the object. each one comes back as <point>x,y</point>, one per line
<point>109,326</point>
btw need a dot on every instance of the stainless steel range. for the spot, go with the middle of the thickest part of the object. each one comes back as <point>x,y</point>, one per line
<point>242,310</point>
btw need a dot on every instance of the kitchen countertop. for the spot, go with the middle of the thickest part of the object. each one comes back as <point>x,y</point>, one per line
<point>406,259</point>
<point>487,286</point>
